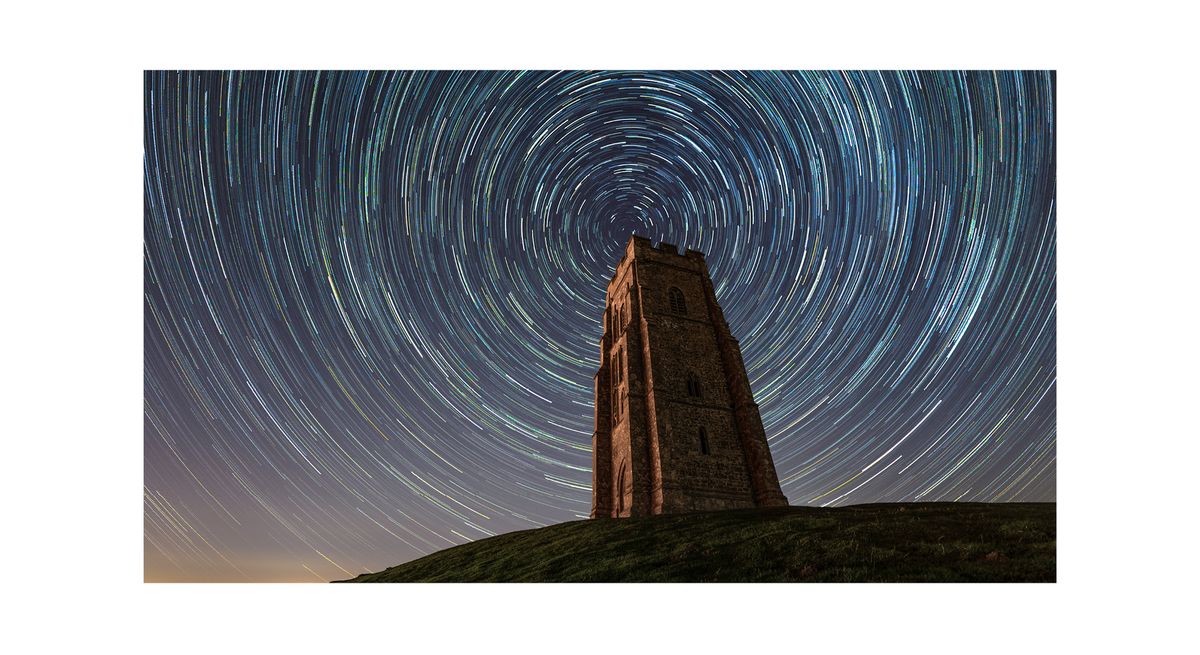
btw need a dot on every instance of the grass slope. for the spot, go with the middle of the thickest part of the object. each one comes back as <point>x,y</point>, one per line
<point>901,542</point>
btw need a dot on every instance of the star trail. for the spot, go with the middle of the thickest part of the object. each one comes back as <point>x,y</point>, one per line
<point>373,300</point>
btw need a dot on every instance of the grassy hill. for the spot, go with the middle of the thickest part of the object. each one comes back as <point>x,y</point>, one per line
<point>901,542</point>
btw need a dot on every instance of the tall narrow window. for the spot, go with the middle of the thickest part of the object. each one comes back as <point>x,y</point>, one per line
<point>675,296</point>
<point>703,441</point>
<point>693,385</point>
<point>621,492</point>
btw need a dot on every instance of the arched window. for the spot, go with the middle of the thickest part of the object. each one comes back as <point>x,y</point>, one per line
<point>693,385</point>
<point>676,299</point>
<point>623,481</point>
<point>703,441</point>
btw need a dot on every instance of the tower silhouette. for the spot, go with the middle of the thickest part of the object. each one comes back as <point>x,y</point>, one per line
<point>677,429</point>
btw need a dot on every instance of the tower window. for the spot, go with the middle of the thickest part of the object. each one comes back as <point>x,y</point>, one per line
<point>675,296</point>
<point>693,385</point>
<point>703,441</point>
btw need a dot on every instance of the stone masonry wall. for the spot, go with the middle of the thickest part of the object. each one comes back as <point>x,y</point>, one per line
<point>653,460</point>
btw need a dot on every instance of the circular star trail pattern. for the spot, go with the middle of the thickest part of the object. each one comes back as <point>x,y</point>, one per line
<point>373,301</point>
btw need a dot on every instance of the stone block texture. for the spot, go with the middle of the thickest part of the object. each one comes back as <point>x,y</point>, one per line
<point>677,429</point>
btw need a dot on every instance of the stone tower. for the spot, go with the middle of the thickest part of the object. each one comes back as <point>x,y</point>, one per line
<point>677,429</point>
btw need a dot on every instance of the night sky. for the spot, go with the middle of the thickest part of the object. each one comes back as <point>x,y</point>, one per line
<point>373,300</point>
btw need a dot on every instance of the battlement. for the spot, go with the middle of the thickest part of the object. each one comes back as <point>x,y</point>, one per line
<point>638,243</point>
<point>640,247</point>
<point>668,248</point>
